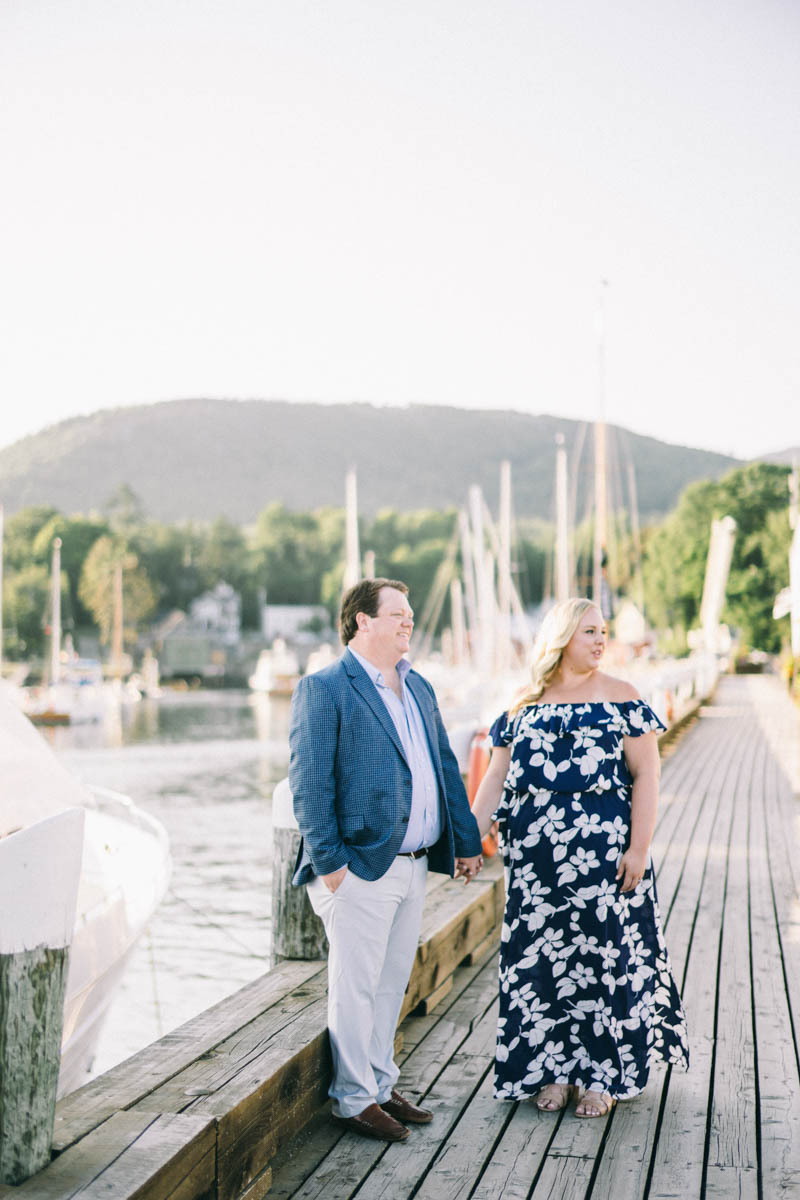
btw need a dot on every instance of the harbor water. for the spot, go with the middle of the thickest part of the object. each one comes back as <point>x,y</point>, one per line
<point>205,764</point>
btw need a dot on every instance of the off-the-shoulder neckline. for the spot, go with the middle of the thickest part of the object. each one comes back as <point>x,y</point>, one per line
<point>579,703</point>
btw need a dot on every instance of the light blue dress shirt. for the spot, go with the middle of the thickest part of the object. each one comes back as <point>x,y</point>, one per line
<point>425,821</point>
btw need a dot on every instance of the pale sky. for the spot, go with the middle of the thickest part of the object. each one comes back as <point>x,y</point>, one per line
<point>410,202</point>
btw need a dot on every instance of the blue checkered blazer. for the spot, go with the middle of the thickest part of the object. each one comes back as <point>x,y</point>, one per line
<point>350,780</point>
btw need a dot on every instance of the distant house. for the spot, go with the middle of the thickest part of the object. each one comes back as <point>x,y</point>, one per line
<point>219,613</point>
<point>294,621</point>
<point>203,642</point>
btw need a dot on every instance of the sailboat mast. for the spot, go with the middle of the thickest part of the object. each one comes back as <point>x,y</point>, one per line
<point>352,562</point>
<point>600,491</point>
<point>55,613</point>
<point>794,566</point>
<point>460,654</point>
<point>116,637</point>
<point>484,585</point>
<point>562,572</point>
<point>637,535</point>
<point>1,588</point>
<point>468,572</point>
<point>503,643</point>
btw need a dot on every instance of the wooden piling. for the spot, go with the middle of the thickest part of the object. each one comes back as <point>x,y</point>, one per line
<point>39,872</point>
<point>297,931</point>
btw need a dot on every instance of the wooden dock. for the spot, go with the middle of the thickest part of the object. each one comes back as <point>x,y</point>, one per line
<point>232,1105</point>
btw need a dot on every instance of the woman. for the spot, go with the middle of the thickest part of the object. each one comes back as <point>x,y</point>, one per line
<point>587,998</point>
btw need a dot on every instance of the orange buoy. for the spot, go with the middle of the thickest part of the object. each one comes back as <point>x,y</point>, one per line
<point>480,751</point>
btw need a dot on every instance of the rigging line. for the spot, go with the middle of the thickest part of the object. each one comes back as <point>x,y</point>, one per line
<point>586,555</point>
<point>574,467</point>
<point>201,912</point>
<point>434,603</point>
<point>613,478</point>
<point>637,578</point>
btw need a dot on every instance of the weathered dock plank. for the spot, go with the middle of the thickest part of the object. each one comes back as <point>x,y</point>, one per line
<point>680,850</point>
<point>141,1074</point>
<point>518,1155</point>
<point>443,1032</point>
<point>775,1019</point>
<point>634,1127</point>
<point>678,1161</point>
<point>470,1144</point>
<point>449,1097</point>
<point>732,1130</point>
<point>142,1155</point>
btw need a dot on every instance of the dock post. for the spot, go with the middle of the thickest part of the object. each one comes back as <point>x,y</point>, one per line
<point>297,931</point>
<point>39,872</point>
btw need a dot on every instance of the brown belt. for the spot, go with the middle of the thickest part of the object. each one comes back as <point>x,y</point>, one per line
<point>414,853</point>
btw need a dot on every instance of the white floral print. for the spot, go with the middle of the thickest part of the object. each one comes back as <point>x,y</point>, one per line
<point>586,990</point>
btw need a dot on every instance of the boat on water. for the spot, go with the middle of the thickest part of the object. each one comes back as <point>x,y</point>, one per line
<point>125,871</point>
<point>277,670</point>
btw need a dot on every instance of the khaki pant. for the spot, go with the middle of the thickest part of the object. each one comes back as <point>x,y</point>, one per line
<point>373,931</point>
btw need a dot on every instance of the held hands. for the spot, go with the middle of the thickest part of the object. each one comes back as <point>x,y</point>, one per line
<point>631,869</point>
<point>468,868</point>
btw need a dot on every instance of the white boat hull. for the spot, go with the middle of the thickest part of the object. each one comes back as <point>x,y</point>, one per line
<point>124,875</point>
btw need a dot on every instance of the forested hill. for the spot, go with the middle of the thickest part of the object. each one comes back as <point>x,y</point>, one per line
<point>201,459</point>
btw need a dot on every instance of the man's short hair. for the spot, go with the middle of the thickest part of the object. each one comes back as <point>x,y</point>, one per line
<point>363,596</point>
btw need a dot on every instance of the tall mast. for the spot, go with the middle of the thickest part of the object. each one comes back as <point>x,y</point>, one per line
<point>55,613</point>
<point>1,588</point>
<point>117,627</point>
<point>460,655</point>
<point>484,580</point>
<point>503,643</point>
<point>600,493</point>
<point>468,571</point>
<point>562,571</point>
<point>794,565</point>
<point>352,561</point>
<point>637,535</point>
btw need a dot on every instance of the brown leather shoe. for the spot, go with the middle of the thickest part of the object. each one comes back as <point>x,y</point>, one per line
<point>373,1122</point>
<point>404,1110</point>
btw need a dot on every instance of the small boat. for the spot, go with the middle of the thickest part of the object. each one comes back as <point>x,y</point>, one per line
<point>124,874</point>
<point>322,657</point>
<point>277,670</point>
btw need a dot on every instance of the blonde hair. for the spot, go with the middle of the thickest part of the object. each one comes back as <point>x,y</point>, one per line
<point>556,630</point>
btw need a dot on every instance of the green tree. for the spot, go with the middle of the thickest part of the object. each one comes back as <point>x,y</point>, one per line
<point>26,593</point>
<point>78,535</point>
<point>756,496</point>
<point>224,555</point>
<point>170,555</point>
<point>292,552</point>
<point>21,532</point>
<point>97,587</point>
<point>124,510</point>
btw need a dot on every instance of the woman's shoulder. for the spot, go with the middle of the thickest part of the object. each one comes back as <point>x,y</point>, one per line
<point>607,689</point>
<point>618,691</point>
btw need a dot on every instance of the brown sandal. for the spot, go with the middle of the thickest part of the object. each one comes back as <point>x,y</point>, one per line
<point>553,1097</point>
<point>600,1100</point>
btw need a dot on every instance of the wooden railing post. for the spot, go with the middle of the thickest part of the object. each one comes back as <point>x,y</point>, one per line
<point>297,931</point>
<point>39,872</point>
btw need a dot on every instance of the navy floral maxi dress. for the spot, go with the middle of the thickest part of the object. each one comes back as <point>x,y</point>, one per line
<point>587,995</point>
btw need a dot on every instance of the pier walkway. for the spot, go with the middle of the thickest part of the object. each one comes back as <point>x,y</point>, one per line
<point>726,851</point>
<point>232,1106</point>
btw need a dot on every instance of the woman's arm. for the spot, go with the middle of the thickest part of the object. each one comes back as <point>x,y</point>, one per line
<point>488,794</point>
<point>641,755</point>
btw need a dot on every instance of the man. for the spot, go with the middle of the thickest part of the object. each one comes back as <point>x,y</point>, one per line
<point>378,798</point>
